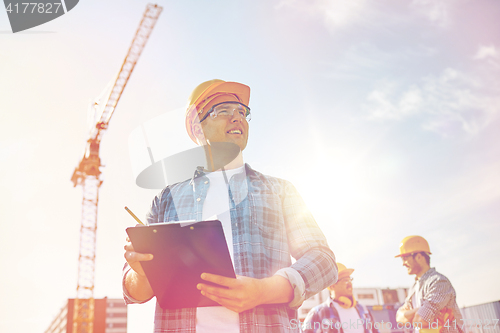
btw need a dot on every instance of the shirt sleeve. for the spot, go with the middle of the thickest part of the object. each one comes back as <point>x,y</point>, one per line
<point>154,208</point>
<point>374,329</point>
<point>311,318</point>
<point>437,296</point>
<point>315,267</point>
<point>297,283</point>
<point>152,217</point>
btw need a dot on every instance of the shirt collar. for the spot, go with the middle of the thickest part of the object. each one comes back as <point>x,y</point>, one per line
<point>201,173</point>
<point>429,272</point>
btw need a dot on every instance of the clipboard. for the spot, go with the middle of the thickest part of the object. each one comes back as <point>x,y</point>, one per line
<point>182,251</point>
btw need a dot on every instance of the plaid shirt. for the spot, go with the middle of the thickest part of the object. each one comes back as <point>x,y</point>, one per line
<point>436,293</point>
<point>269,222</point>
<point>325,318</point>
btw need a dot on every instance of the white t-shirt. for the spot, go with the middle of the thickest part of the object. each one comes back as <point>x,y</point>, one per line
<point>349,319</point>
<point>216,206</point>
<point>416,301</point>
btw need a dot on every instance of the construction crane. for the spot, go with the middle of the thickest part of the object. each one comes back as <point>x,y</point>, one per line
<point>87,174</point>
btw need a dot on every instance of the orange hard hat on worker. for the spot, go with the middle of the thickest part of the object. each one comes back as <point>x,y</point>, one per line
<point>209,93</point>
<point>413,244</point>
<point>344,271</point>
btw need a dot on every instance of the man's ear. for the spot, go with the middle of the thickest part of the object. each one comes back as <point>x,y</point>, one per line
<point>198,133</point>
<point>419,258</point>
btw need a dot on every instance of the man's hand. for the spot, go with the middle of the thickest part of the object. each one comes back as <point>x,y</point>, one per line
<point>244,293</point>
<point>135,281</point>
<point>417,320</point>
<point>134,258</point>
<point>405,315</point>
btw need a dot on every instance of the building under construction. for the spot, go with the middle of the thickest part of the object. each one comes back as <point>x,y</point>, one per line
<point>110,316</point>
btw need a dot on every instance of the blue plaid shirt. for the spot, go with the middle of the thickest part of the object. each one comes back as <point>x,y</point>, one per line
<point>270,222</point>
<point>436,293</point>
<point>324,318</point>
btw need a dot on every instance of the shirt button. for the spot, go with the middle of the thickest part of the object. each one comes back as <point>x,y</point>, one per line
<point>198,199</point>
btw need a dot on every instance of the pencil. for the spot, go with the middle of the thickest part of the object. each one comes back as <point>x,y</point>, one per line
<point>133,215</point>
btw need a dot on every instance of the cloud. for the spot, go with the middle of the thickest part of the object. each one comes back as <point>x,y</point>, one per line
<point>335,13</point>
<point>382,106</point>
<point>340,13</point>
<point>486,52</point>
<point>436,11</point>
<point>490,54</point>
<point>450,103</point>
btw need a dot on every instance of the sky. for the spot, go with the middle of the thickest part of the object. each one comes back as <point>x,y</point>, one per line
<point>385,115</point>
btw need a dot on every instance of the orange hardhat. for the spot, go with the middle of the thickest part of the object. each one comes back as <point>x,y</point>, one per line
<point>413,244</point>
<point>207,91</point>
<point>344,271</point>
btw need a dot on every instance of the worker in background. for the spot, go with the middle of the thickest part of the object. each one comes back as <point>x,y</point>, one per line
<point>431,303</point>
<point>341,313</point>
<point>267,224</point>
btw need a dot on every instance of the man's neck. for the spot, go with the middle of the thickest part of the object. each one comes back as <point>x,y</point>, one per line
<point>422,272</point>
<point>236,163</point>
<point>218,155</point>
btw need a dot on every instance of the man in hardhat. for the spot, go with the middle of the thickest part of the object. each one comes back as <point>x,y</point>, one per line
<point>266,222</point>
<point>431,302</point>
<point>341,313</point>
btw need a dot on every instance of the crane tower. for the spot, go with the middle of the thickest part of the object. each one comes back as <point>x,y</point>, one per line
<point>87,174</point>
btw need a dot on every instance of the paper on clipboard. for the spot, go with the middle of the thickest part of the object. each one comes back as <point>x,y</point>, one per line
<point>181,255</point>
